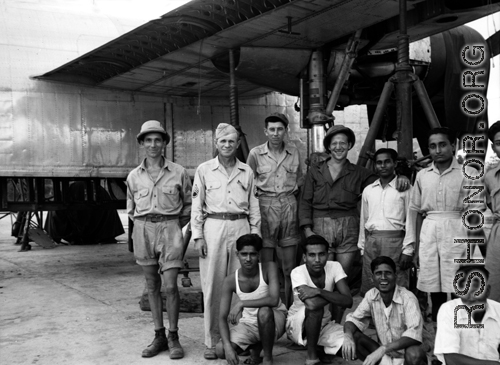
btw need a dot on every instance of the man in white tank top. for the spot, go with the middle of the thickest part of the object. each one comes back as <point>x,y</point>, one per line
<point>263,314</point>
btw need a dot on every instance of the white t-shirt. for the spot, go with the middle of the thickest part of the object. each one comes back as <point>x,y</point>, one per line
<point>300,276</point>
<point>480,343</point>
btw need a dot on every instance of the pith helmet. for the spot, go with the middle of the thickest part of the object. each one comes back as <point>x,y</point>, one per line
<point>152,126</point>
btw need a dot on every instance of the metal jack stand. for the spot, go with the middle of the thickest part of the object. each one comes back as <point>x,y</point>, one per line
<point>402,82</point>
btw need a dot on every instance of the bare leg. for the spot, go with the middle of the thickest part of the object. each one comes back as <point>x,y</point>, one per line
<point>312,326</point>
<point>267,332</point>
<point>172,300</point>
<point>415,355</point>
<point>346,260</point>
<point>437,300</point>
<point>153,282</point>
<point>267,254</point>
<point>287,256</point>
<point>364,345</point>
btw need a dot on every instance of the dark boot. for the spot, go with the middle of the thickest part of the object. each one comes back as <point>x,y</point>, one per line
<point>159,344</point>
<point>176,351</point>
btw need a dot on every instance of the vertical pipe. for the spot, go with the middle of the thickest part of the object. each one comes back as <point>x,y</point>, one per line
<point>403,80</point>
<point>233,91</point>
<point>233,99</point>
<point>318,134</point>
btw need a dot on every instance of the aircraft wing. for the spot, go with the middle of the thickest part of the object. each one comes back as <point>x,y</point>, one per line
<point>184,52</point>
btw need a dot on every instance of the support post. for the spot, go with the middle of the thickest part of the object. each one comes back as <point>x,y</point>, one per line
<point>233,100</point>
<point>376,123</point>
<point>350,56</point>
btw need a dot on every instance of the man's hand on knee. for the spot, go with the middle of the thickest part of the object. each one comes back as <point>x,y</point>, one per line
<point>349,347</point>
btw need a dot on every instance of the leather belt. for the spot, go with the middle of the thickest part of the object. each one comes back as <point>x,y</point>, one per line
<point>155,218</point>
<point>227,216</point>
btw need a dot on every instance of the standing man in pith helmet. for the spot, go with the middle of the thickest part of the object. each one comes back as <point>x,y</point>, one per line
<point>159,203</point>
<point>276,166</point>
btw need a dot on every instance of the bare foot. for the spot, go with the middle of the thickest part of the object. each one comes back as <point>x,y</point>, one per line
<point>267,361</point>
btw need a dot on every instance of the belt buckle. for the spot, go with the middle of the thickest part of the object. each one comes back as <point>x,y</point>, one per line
<point>224,216</point>
<point>155,219</point>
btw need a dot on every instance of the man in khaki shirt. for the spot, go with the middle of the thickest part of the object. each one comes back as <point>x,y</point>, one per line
<point>224,208</point>
<point>159,203</point>
<point>276,165</point>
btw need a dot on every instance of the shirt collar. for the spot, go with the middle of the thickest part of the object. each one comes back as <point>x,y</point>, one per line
<point>396,298</point>
<point>265,148</point>
<point>216,164</point>
<point>166,164</point>
<point>454,166</point>
<point>392,183</point>
<point>492,312</point>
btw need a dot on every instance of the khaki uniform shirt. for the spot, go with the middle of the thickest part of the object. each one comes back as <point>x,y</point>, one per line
<point>274,177</point>
<point>170,194</point>
<point>214,191</point>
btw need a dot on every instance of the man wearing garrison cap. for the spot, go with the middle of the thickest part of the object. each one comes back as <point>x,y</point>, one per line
<point>159,203</point>
<point>225,207</point>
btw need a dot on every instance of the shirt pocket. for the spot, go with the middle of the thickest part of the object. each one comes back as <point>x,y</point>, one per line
<point>141,200</point>
<point>213,194</point>
<point>291,175</point>
<point>169,197</point>
<point>263,172</point>
<point>352,190</point>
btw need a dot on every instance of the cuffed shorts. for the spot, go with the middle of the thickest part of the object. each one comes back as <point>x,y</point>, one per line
<point>341,233</point>
<point>279,224</point>
<point>158,243</point>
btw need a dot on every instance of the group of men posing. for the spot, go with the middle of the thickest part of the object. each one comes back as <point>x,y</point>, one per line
<point>244,215</point>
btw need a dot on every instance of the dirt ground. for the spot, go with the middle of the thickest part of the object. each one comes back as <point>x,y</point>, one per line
<point>80,305</point>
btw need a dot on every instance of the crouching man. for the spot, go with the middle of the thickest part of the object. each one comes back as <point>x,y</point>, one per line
<point>309,320</point>
<point>396,314</point>
<point>263,314</point>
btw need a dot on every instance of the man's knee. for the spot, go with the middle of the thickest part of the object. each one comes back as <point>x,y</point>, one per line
<point>265,315</point>
<point>415,355</point>
<point>219,350</point>
<point>314,313</point>
<point>153,282</point>
<point>171,289</point>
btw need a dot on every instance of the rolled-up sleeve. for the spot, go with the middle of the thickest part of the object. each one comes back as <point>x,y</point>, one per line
<point>361,316</point>
<point>413,319</point>
<point>198,200</point>
<point>416,194</point>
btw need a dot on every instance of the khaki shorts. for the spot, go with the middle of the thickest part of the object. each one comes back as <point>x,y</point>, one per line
<point>247,334</point>
<point>341,233</point>
<point>158,243</point>
<point>279,224</point>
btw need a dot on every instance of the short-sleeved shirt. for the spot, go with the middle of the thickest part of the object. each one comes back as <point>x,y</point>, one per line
<point>300,276</point>
<point>480,343</point>
<point>405,318</point>
<point>387,209</point>
<point>170,194</point>
<point>445,192</point>
<point>322,197</point>
<point>214,191</point>
<point>272,177</point>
